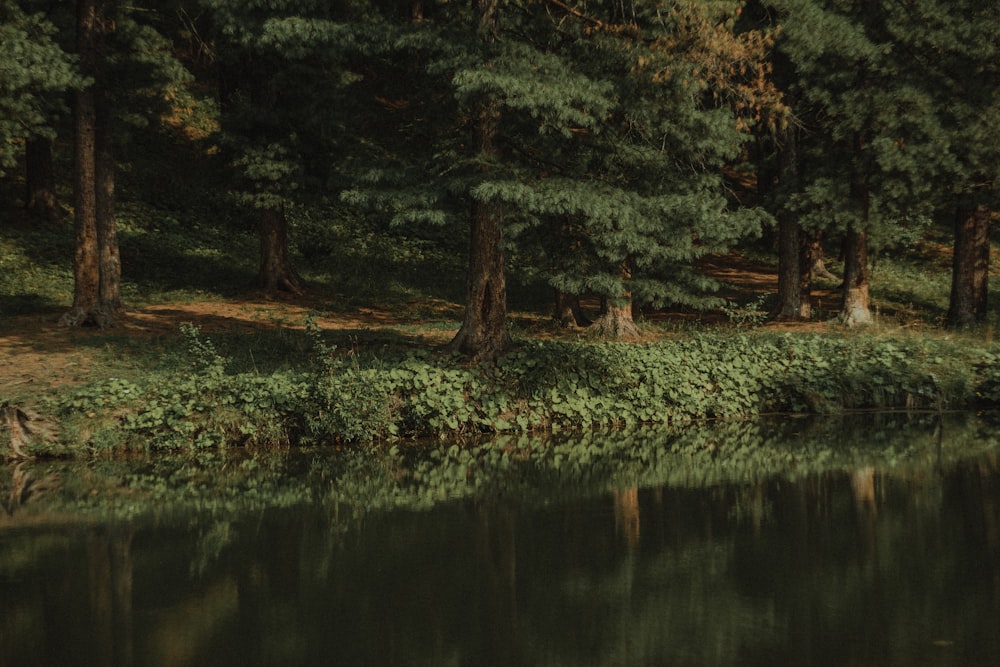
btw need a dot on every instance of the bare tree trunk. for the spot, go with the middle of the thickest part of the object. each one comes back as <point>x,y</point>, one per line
<point>789,272</point>
<point>970,273</point>
<point>810,267</point>
<point>97,266</point>
<point>483,334</point>
<point>86,260</point>
<point>790,301</point>
<point>276,273</point>
<point>110,298</point>
<point>855,309</point>
<point>567,311</point>
<point>40,181</point>
<point>616,320</point>
<point>484,327</point>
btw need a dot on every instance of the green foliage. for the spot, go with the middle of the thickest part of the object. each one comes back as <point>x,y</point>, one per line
<point>35,72</point>
<point>419,475</point>
<point>546,386</point>
<point>750,315</point>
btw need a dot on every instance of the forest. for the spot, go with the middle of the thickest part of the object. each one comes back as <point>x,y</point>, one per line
<point>589,161</point>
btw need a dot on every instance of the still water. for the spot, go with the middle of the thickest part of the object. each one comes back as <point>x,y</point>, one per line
<point>872,542</point>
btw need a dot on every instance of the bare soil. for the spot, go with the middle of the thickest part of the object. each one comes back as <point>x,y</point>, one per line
<point>36,350</point>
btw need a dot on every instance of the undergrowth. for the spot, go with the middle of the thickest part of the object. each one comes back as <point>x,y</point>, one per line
<point>541,386</point>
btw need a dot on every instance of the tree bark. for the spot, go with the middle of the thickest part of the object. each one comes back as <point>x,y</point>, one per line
<point>816,266</point>
<point>276,273</point>
<point>40,182</point>
<point>855,309</point>
<point>790,301</point>
<point>86,259</point>
<point>107,227</point>
<point>97,264</point>
<point>970,272</point>
<point>567,311</point>
<point>616,322</point>
<point>483,334</point>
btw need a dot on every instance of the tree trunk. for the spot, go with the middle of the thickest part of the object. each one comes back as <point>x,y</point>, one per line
<point>40,182</point>
<point>96,265</point>
<point>483,334</point>
<point>790,301</point>
<point>855,309</point>
<point>809,247</point>
<point>567,312</point>
<point>789,272</point>
<point>616,322</point>
<point>86,259</point>
<point>107,227</point>
<point>276,272</point>
<point>970,272</point>
<point>484,327</point>
<point>816,265</point>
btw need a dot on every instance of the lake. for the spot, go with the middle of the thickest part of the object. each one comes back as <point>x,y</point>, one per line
<point>869,540</point>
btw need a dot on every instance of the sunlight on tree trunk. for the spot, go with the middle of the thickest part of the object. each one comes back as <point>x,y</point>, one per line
<point>615,322</point>
<point>855,310</point>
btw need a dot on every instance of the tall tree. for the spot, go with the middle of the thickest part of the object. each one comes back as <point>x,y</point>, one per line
<point>96,266</point>
<point>871,133</point>
<point>606,121</point>
<point>970,277</point>
<point>953,49</point>
<point>37,72</point>
<point>282,68</point>
<point>483,333</point>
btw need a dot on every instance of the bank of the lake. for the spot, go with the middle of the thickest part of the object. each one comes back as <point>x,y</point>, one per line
<point>541,386</point>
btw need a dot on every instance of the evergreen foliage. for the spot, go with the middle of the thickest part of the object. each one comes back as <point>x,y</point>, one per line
<point>871,151</point>
<point>35,72</point>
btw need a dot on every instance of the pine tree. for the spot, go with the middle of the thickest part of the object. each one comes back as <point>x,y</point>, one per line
<point>867,166</point>
<point>605,127</point>
<point>952,50</point>
<point>282,69</point>
<point>97,265</point>
<point>36,71</point>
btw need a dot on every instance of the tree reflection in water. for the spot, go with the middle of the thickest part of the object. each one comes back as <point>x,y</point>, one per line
<point>889,555</point>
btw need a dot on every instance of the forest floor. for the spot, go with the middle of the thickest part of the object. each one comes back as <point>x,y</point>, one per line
<point>37,353</point>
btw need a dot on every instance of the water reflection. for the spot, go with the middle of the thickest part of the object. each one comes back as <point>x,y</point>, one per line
<point>892,560</point>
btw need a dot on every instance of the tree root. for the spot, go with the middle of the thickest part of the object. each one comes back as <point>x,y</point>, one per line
<point>22,427</point>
